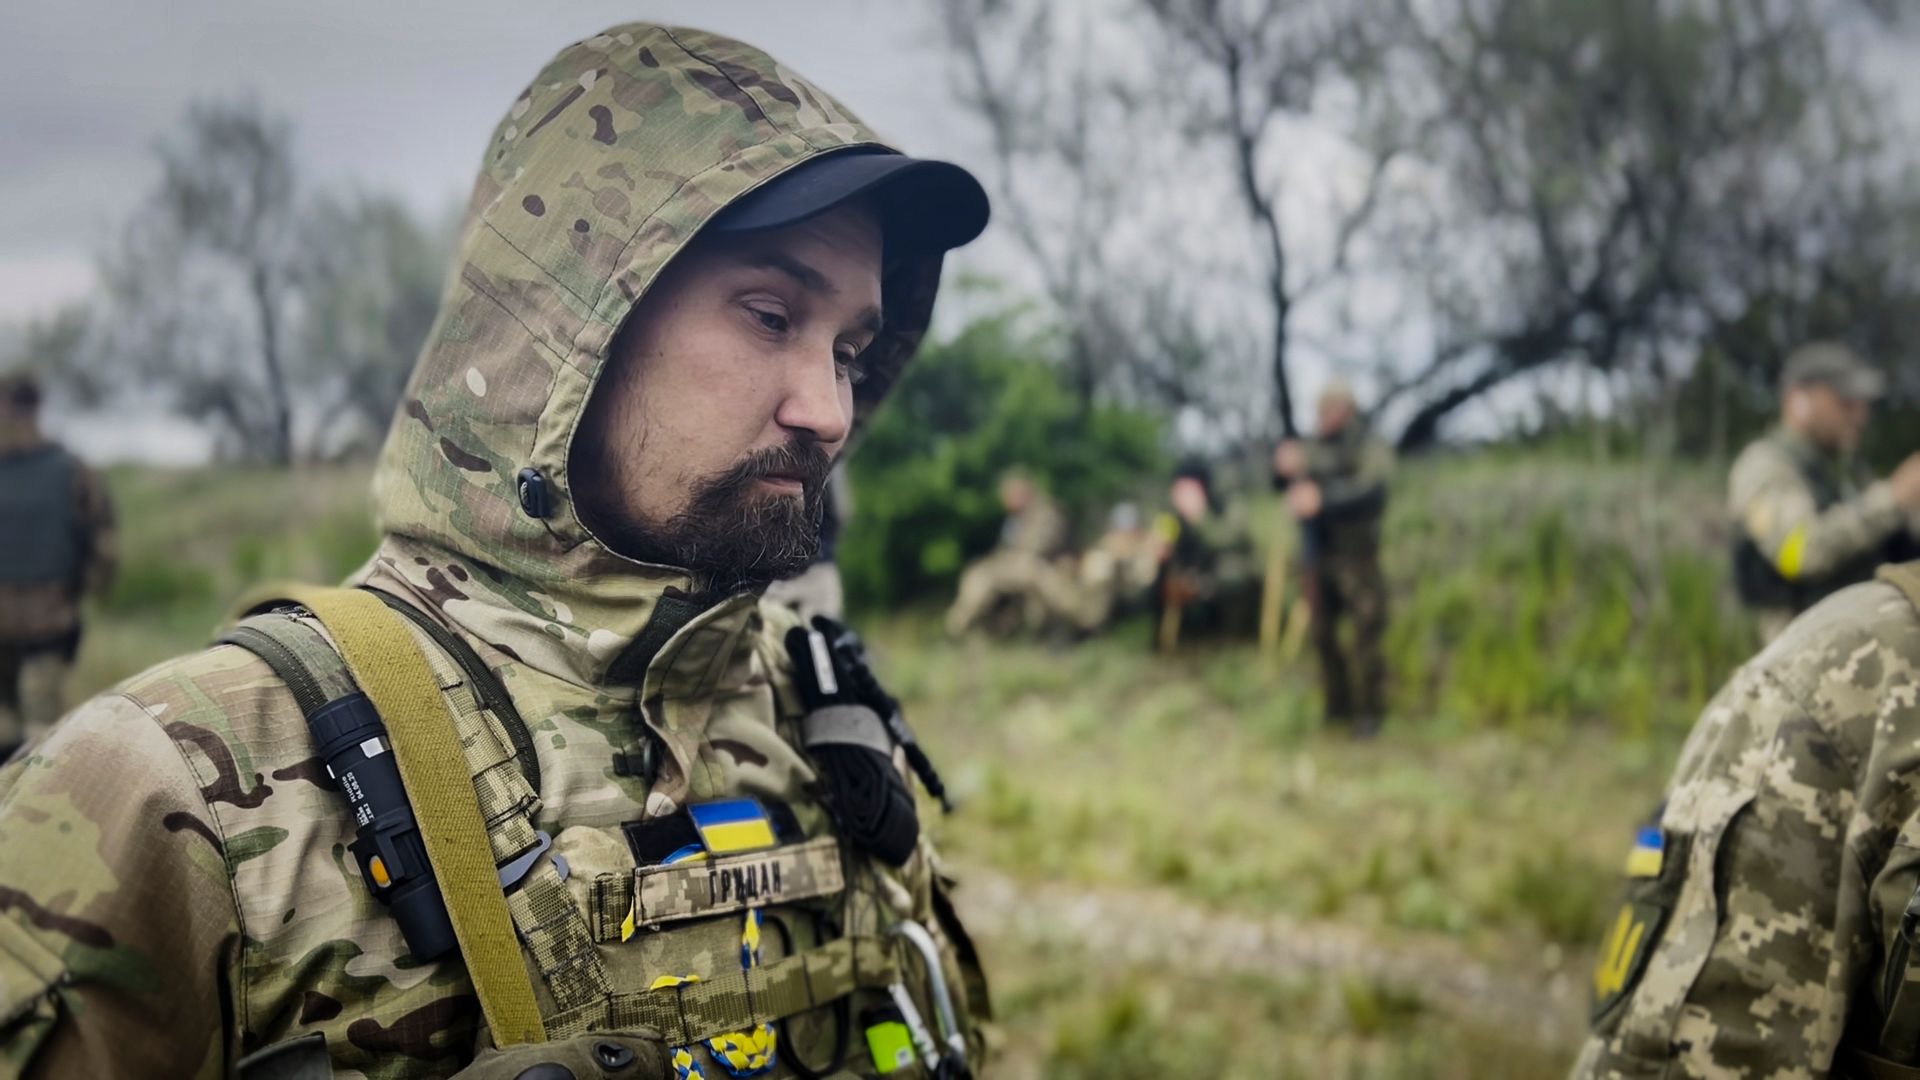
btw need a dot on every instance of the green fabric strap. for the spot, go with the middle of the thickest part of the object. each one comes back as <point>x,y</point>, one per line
<point>384,657</point>
<point>695,1011</point>
<point>1906,578</point>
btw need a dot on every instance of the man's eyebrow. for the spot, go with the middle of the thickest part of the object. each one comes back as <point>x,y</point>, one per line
<point>810,279</point>
<point>813,280</point>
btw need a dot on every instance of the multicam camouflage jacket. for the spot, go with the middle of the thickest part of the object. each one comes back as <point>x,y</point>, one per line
<point>175,891</point>
<point>1762,931</point>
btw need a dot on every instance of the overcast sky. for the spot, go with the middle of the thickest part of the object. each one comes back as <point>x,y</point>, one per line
<point>400,96</point>
<point>397,95</point>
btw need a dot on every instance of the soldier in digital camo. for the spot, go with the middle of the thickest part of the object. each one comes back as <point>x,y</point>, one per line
<point>1810,517</point>
<point>686,273</point>
<point>1771,923</point>
<point>56,548</point>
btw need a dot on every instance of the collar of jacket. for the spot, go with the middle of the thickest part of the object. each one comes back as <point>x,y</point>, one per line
<point>1835,463</point>
<point>640,634</point>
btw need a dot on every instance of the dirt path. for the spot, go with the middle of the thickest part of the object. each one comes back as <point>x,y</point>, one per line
<point>1153,928</point>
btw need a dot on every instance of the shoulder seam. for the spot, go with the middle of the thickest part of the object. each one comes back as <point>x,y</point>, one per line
<point>1805,708</point>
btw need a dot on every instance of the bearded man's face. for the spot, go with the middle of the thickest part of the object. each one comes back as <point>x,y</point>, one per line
<point>728,393</point>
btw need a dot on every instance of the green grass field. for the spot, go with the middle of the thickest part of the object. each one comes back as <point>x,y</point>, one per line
<point>1170,865</point>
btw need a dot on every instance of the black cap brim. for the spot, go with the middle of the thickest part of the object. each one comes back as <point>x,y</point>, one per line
<point>923,205</point>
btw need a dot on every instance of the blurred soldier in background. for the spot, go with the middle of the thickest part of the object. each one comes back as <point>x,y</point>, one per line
<point>1116,574</point>
<point>1020,587</point>
<point>1809,515</point>
<point>1336,486</point>
<point>818,590</point>
<point>56,546</point>
<point>1209,579</point>
<point>1768,927</point>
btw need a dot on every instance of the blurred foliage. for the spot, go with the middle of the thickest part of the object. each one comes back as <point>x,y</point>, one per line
<point>1542,592</point>
<point>926,472</point>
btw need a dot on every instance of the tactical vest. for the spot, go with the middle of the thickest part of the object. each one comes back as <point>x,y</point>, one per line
<point>1759,581</point>
<point>871,996</point>
<point>38,530</point>
<point>1900,989</point>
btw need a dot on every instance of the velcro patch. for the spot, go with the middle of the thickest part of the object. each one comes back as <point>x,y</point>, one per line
<point>692,890</point>
<point>1624,952</point>
<point>732,826</point>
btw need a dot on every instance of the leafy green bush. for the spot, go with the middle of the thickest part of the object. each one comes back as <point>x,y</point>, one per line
<point>926,477</point>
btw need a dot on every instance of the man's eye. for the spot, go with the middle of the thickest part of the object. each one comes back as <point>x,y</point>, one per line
<point>772,320</point>
<point>849,367</point>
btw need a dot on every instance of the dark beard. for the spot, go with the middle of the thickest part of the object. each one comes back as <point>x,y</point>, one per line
<point>731,537</point>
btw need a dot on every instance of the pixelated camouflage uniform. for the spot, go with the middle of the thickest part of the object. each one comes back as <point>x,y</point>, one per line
<point>54,504</point>
<point>1809,522</point>
<point>1764,940</point>
<point>175,887</point>
<point>1021,586</point>
<point>1342,561</point>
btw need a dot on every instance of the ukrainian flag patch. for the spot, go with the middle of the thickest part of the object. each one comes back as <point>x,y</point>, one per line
<point>732,826</point>
<point>1648,854</point>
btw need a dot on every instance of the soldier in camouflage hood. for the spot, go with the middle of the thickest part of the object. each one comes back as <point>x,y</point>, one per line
<point>686,272</point>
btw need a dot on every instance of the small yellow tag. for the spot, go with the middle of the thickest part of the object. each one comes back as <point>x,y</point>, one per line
<point>627,924</point>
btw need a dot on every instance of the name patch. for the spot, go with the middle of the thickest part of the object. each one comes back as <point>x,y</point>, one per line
<point>716,886</point>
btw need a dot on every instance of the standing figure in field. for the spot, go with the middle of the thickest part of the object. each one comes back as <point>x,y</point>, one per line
<point>56,548</point>
<point>1336,486</point>
<point>661,829</point>
<point>1809,516</point>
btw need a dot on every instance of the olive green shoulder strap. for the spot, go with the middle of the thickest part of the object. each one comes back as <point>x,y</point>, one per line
<point>385,661</point>
<point>1906,578</point>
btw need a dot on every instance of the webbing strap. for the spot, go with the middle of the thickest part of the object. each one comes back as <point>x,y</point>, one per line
<point>1906,578</point>
<point>385,660</point>
<point>1860,1065</point>
<point>695,1011</point>
<point>556,934</point>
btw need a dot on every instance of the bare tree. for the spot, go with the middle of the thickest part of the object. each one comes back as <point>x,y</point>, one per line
<point>1246,70</point>
<point>285,321</point>
<point>1029,70</point>
<point>1095,124</point>
<point>372,291</point>
<point>202,286</point>
<point>1630,175</point>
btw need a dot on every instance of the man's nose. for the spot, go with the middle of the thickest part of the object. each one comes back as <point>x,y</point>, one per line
<point>817,402</point>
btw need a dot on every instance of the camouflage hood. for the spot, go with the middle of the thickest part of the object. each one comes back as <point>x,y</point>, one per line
<point>602,170</point>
